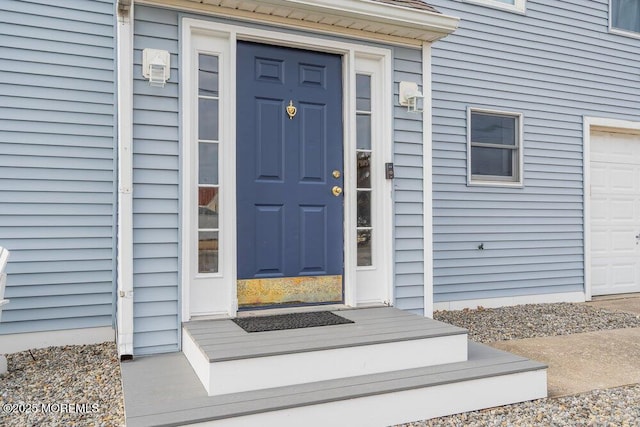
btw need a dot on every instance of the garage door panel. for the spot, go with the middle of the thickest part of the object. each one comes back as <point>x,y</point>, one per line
<point>623,211</point>
<point>599,211</point>
<point>622,178</point>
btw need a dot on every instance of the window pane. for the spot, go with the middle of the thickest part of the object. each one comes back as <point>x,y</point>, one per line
<point>493,129</point>
<point>364,170</point>
<point>208,252</point>
<point>625,15</point>
<point>492,161</point>
<point>208,119</point>
<point>208,75</point>
<point>363,92</point>
<point>364,248</point>
<point>207,163</point>
<point>207,207</point>
<point>507,1</point>
<point>363,129</point>
<point>364,209</point>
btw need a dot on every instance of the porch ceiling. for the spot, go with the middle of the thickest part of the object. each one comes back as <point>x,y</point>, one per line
<point>396,21</point>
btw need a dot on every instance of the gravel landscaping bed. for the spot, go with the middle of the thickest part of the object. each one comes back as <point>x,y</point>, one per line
<point>81,385</point>
<point>614,407</point>
<point>62,386</point>
<point>617,407</point>
<point>487,325</point>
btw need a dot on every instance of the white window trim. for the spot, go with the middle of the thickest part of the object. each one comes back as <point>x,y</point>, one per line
<point>620,31</point>
<point>519,6</point>
<point>520,161</point>
<point>228,36</point>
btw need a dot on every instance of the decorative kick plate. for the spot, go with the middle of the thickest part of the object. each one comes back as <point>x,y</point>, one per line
<point>288,290</point>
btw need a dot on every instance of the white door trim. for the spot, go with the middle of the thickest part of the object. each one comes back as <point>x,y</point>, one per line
<point>229,34</point>
<point>589,123</point>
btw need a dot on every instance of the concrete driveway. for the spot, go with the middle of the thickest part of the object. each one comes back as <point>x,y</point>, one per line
<point>594,360</point>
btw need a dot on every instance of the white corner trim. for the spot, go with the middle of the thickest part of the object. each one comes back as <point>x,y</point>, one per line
<point>588,125</point>
<point>13,343</point>
<point>427,169</point>
<point>511,301</point>
<point>124,307</point>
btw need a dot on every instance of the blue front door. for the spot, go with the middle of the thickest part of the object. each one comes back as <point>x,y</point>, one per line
<point>289,176</point>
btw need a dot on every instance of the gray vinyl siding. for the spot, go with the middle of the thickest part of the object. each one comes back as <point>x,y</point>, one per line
<point>408,188</point>
<point>57,156</point>
<point>156,186</point>
<point>555,64</point>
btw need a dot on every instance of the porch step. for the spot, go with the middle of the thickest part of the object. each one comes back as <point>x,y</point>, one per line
<point>164,391</point>
<point>229,360</point>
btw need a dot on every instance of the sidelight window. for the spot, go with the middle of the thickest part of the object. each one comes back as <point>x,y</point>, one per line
<point>363,167</point>
<point>208,158</point>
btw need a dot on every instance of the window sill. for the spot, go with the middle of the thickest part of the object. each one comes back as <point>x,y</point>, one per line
<point>624,33</point>
<point>521,10</point>
<point>506,184</point>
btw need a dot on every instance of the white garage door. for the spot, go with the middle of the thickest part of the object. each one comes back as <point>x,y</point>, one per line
<point>615,213</point>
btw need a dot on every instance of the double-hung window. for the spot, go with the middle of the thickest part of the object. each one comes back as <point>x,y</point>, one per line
<point>625,15</point>
<point>494,147</point>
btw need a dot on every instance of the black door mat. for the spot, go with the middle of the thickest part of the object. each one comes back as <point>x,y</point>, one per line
<point>280,322</point>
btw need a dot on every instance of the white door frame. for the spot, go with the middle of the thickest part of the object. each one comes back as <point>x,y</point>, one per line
<point>224,38</point>
<point>589,124</point>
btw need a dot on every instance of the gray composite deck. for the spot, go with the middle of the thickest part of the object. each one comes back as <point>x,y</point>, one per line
<point>223,340</point>
<point>164,391</point>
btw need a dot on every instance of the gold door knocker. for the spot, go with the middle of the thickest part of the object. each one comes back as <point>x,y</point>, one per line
<point>291,110</point>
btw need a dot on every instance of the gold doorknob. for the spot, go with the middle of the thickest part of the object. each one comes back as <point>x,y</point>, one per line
<point>336,190</point>
<point>336,174</point>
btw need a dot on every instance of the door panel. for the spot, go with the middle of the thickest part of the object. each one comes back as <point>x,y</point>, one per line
<point>290,224</point>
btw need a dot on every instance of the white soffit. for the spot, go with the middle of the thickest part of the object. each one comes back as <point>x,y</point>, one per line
<point>369,19</point>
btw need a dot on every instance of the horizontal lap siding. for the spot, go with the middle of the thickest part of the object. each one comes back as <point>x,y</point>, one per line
<point>408,187</point>
<point>554,65</point>
<point>57,153</point>
<point>155,189</point>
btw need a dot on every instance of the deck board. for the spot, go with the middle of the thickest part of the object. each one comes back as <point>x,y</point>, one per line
<point>223,340</point>
<point>164,391</point>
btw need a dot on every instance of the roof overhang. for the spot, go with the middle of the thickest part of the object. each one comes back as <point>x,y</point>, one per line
<point>366,19</point>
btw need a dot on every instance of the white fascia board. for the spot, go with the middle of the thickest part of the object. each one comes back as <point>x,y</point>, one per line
<point>430,25</point>
<point>385,13</point>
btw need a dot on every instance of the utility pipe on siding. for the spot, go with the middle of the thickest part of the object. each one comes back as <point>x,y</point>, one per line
<point>124,315</point>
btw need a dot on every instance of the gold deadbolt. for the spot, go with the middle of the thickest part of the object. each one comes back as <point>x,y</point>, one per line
<point>336,174</point>
<point>336,190</point>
